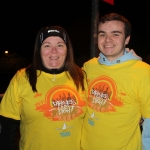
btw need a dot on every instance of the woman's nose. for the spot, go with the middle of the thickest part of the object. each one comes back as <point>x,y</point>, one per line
<point>54,49</point>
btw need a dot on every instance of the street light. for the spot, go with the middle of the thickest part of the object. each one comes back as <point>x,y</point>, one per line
<point>6,52</point>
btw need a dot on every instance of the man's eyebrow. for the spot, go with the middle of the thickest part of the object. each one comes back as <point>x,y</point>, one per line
<point>116,32</point>
<point>111,32</point>
<point>101,32</point>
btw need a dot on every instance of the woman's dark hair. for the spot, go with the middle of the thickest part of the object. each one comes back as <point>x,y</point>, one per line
<point>75,72</point>
<point>117,17</point>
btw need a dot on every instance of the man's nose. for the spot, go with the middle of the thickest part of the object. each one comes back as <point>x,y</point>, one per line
<point>108,38</point>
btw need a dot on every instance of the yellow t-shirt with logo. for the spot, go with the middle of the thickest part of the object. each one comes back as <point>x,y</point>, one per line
<point>52,118</point>
<point>118,96</point>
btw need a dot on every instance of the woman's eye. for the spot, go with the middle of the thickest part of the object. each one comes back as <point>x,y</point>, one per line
<point>60,45</point>
<point>47,46</point>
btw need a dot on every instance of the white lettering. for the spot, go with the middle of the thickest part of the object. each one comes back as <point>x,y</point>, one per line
<point>62,103</point>
<point>65,109</point>
<point>53,31</point>
<point>100,97</point>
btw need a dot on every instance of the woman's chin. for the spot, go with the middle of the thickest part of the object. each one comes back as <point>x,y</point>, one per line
<point>54,67</point>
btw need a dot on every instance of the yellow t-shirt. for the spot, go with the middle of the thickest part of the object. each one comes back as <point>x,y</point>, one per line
<point>118,96</point>
<point>52,118</point>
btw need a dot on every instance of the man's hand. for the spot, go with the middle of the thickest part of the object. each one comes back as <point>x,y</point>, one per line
<point>141,121</point>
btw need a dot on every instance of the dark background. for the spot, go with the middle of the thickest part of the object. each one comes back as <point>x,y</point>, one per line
<point>21,20</point>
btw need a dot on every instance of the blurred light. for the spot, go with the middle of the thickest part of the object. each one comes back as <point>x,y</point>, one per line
<point>6,52</point>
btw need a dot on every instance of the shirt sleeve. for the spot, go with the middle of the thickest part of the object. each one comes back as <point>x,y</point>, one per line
<point>11,102</point>
<point>146,134</point>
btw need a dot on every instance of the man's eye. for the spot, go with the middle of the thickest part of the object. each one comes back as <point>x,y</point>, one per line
<point>102,35</point>
<point>116,34</point>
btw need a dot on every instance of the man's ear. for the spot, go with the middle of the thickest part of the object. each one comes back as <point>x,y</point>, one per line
<point>127,40</point>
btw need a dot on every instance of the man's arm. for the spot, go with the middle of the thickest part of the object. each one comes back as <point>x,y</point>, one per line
<point>146,134</point>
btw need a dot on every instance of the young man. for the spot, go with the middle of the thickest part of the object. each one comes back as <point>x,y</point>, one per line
<point>119,92</point>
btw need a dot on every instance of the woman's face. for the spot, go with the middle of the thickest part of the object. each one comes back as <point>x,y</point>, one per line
<point>53,52</point>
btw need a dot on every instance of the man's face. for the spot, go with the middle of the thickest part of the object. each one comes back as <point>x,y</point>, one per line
<point>111,39</point>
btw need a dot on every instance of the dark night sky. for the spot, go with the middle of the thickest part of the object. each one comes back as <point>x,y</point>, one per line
<point>20,21</point>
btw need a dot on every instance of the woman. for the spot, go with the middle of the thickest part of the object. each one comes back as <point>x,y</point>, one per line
<point>48,97</point>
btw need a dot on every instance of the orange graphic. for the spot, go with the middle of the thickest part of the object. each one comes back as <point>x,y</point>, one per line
<point>61,103</point>
<point>37,95</point>
<point>121,93</point>
<point>103,95</point>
